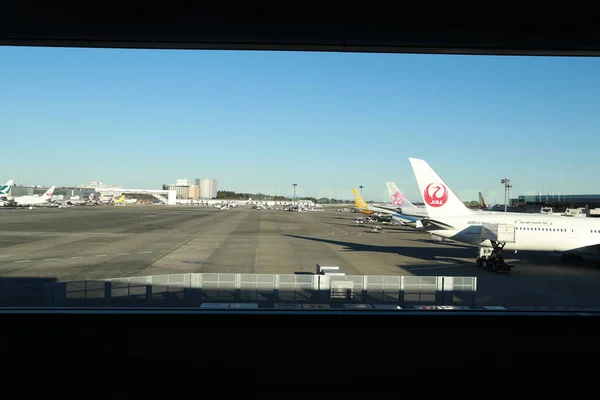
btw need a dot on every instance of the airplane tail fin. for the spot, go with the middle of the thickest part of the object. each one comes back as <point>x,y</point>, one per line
<point>439,199</point>
<point>397,197</point>
<point>49,192</point>
<point>482,202</point>
<point>361,204</point>
<point>5,189</point>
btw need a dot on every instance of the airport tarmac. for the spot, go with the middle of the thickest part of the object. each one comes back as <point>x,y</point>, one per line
<point>86,243</point>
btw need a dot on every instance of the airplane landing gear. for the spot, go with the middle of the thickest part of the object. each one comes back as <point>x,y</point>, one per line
<point>491,258</point>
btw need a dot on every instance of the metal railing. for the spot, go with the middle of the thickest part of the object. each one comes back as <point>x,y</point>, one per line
<point>267,290</point>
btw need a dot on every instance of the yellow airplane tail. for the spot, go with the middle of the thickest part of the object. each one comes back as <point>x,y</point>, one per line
<point>120,199</point>
<point>482,202</point>
<point>361,204</point>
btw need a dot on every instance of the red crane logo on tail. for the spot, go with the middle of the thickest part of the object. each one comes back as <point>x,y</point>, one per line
<point>436,194</point>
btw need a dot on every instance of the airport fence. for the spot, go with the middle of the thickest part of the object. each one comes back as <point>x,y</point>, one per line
<point>265,290</point>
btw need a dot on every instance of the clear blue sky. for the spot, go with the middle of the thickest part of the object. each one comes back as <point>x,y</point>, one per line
<point>260,121</point>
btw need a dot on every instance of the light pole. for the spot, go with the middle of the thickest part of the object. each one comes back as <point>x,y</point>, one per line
<point>295,184</point>
<point>361,187</point>
<point>507,186</point>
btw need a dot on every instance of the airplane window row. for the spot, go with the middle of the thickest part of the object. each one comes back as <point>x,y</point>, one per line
<point>542,229</point>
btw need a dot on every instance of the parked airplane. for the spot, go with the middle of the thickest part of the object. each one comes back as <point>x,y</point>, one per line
<point>484,206</point>
<point>374,210</point>
<point>120,200</point>
<point>233,203</point>
<point>74,202</point>
<point>448,217</point>
<point>411,213</point>
<point>406,207</point>
<point>409,209</point>
<point>102,200</point>
<point>44,199</point>
<point>383,212</point>
<point>4,191</point>
<point>402,210</point>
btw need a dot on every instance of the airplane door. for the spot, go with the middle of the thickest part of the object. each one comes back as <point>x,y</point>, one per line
<point>506,233</point>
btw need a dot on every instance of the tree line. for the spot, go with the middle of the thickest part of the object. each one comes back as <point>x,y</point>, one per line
<point>231,195</point>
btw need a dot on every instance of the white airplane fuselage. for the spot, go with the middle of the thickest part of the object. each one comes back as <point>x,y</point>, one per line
<point>32,201</point>
<point>450,218</point>
<point>535,232</point>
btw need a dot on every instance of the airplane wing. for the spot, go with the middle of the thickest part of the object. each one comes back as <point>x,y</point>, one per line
<point>438,224</point>
<point>486,231</point>
<point>406,218</point>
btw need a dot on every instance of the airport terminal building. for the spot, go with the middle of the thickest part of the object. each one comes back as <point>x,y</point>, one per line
<point>21,190</point>
<point>533,203</point>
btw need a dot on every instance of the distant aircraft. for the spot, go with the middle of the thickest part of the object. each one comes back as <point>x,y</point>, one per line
<point>236,203</point>
<point>406,208</point>
<point>376,210</point>
<point>44,199</point>
<point>482,202</point>
<point>73,202</point>
<point>5,200</point>
<point>5,189</point>
<point>120,199</point>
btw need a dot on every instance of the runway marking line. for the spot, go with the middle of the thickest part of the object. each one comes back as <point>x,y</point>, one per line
<point>98,255</point>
